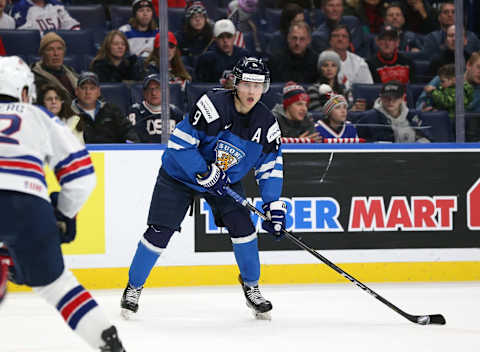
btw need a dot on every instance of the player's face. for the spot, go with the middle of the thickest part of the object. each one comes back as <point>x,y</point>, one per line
<point>298,110</point>
<point>395,18</point>
<point>387,46</point>
<point>197,21</point>
<point>52,102</point>
<point>329,69</point>
<point>298,40</point>
<point>248,94</point>
<point>225,43</point>
<point>88,94</point>
<point>340,40</point>
<point>53,55</point>
<point>392,105</point>
<point>118,47</point>
<point>333,10</point>
<point>144,15</point>
<point>153,93</point>
<point>339,113</point>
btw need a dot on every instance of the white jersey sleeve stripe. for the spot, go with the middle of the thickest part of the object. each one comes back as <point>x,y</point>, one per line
<point>74,166</point>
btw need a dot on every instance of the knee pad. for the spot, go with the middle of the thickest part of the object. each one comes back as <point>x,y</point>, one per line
<point>238,225</point>
<point>158,236</point>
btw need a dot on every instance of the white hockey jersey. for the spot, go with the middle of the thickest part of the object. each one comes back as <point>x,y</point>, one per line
<point>140,43</point>
<point>30,138</point>
<point>50,17</point>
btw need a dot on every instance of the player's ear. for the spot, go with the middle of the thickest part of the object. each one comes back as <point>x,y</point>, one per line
<point>25,95</point>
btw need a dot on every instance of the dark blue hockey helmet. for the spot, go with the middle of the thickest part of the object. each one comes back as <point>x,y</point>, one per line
<point>251,69</point>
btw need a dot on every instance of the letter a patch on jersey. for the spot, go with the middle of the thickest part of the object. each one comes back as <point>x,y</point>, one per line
<point>227,155</point>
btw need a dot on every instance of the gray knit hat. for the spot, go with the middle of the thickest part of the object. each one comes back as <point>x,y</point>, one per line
<point>329,55</point>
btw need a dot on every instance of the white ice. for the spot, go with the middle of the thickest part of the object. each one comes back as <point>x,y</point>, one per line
<point>330,318</point>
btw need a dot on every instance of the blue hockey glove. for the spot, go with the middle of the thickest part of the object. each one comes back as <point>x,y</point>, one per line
<point>215,181</point>
<point>66,226</point>
<point>275,211</point>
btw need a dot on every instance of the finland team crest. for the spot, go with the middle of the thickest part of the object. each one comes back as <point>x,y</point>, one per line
<point>227,155</point>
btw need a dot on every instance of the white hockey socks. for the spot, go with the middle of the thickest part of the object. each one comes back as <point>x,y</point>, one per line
<point>77,307</point>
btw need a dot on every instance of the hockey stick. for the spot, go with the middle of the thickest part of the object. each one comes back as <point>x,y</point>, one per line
<point>418,319</point>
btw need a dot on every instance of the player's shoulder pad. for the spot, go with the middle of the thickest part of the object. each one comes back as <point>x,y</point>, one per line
<point>211,104</point>
<point>264,114</point>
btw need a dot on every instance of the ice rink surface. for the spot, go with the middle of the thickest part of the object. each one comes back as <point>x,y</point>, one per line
<point>330,318</point>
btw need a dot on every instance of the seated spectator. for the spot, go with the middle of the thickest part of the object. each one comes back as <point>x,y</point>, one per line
<point>177,72</point>
<point>369,12</point>
<point>290,13</point>
<point>297,62</point>
<point>146,117</point>
<point>102,122</point>
<point>51,69</point>
<point>113,62</point>
<point>333,10</point>
<point>354,68</point>
<point>328,66</point>
<point>434,41</point>
<point>388,64</point>
<point>395,17</point>
<point>447,53</point>
<point>390,120</point>
<point>141,28</point>
<point>197,33</point>
<point>44,15</point>
<point>240,12</point>
<point>420,16</point>
<point>472,76</point>
<point>222,56</point>
<point>443,96</point>
<point>335,124</point>
<point>53,99</point>
<point>6,21</point>
<point>292,115</point>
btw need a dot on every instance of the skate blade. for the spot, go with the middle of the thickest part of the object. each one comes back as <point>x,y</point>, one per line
<point>261,316</point>
<point>127,314</point>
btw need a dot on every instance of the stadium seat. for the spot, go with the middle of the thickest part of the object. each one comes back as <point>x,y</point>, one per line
<point>272,16</point>
<point>440,125</point>
<point>413,92</point>
<point>274,95</point>
<point>78,42</point>
<point>472,127</point>
<point>369,92</point>
<point>176,17</point>
<point>195,91</point>
<point>421,71</point>
<point>119,15</point>
<point>177,97</point>
<point>20,42</point>
<point>116,93</point>
<point>89,16</point>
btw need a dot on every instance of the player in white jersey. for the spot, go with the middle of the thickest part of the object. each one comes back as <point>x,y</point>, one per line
<point>32,227</point>
<point>43,15</point>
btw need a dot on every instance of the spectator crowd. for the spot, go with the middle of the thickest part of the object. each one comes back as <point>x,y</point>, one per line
<point>373,70</point>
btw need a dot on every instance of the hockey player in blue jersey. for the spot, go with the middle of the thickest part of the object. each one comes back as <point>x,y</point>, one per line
<point>227,133</point>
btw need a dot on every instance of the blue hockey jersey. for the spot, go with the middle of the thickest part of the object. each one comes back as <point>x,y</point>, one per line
<point>348,130</point>
<point>215,132</point>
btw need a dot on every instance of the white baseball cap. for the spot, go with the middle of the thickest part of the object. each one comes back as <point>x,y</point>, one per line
<point>223,26</point>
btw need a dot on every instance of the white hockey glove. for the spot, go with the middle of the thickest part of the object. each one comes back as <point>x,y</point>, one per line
<point>275,212</point>
<point>215,181</point>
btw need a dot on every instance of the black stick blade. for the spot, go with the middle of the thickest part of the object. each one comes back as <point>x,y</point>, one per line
<point>437,319</point>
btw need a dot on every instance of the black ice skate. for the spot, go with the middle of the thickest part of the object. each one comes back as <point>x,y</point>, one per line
<point>129,302</point>
<point>112,342</point>
<point>255,301</point>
